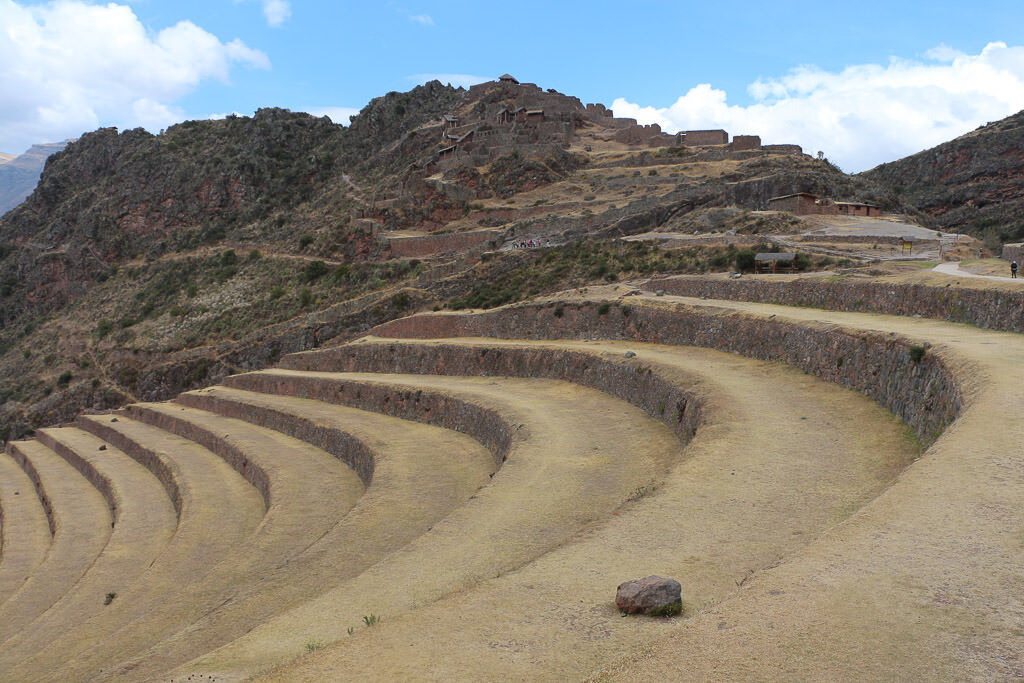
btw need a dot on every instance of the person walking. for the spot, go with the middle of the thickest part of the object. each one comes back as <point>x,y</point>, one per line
<point>1013,269</point>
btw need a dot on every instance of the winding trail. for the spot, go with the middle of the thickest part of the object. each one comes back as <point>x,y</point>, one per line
<point>953,268</point>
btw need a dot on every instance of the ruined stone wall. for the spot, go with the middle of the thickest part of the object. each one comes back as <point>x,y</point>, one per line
<point>796,204</point>
<point>992,309</point>
<point>650,135</point>
<point>1013,252</point>
<point>618,123</point>
<point>631,381</point>
<point>415,247</point>
<point>925,395</point>
<point>741,142</point>
<point>696,138</point>
<point>783,149</point>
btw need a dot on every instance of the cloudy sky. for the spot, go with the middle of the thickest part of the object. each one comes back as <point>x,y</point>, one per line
<point>864,83</point>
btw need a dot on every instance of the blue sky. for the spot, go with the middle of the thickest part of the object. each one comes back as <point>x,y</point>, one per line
<point>867,82</point>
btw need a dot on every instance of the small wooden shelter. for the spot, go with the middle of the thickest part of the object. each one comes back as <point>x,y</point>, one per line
<point>775,263</point>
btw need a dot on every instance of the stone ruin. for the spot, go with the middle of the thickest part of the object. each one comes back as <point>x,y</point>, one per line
<point>509,116</point>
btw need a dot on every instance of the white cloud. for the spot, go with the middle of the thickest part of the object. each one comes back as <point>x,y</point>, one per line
<point>463,80</point>
<point>70,66</point>
<point>277,11</point>
<point>424,19</point>
<point>338,115</point>
<point>865,114</point>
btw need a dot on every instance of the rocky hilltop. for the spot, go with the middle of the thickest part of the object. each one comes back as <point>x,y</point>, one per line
<point>974,183</point>
<point>20,173</point>
<point>145,264</point>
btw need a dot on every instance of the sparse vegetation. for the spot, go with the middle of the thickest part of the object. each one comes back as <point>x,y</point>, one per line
<point>917,354</point>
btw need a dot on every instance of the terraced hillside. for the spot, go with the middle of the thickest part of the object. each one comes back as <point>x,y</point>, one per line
<point>457,496</point>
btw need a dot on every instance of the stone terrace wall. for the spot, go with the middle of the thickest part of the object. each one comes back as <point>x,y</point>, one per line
<point>925,395</point>
<point>429,407</point>
<point>991,309</point>
<point>14,450</point>
<point>214,443</point>
<point>414,247</point>
<point>632,382</point>
<point>99,480</point>
<point>341,445</point>
<point>140,454</point>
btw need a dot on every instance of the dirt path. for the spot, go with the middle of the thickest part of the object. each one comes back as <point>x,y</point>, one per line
<point>953,268</point>
<point>762,479</point>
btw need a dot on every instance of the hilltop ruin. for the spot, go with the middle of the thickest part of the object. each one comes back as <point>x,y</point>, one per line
<point>505,116</point>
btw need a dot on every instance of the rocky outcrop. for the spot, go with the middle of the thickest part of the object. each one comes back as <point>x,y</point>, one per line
<point>974,183</point>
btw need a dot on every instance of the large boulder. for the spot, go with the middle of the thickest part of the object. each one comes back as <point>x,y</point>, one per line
<point>654,595</point>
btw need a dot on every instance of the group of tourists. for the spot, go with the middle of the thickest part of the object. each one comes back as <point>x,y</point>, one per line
<point>527,244</point>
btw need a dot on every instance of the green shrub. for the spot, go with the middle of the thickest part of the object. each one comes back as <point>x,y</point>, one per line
<point>917,353</point>
<point>104,328</point>
<point>401,301</point>
<point>314,271</point>
<point>305,297</point>
<point>305,241</point>
<point>254,255</point>
<point>744,260</point>
<point>559,311</point>
<point>64,379</point>
<point>604,308</point>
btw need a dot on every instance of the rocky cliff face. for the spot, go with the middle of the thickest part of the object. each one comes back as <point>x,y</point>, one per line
<point>974,183</point>
<point>19,174</point>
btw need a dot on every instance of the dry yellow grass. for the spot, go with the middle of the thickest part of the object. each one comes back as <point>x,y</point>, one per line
<point>81,529</point>
<point>809,541</point>
<point>762,479</point>
<point>145,523</point>
<point>24,534</point>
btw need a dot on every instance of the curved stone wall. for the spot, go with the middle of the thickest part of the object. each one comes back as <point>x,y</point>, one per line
<point>992,309</point>
<point>635,383</point>
<point>922,392</point>
<point>429,407</point>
